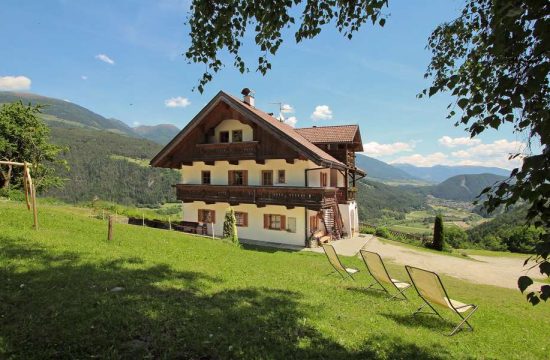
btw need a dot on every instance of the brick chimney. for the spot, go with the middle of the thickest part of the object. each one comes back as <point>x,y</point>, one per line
<point>248,96</point>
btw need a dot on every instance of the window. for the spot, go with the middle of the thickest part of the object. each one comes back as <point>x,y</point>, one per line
<point>274,222</point>
<point>237,136</point>
<point>242,218</point>
<point>281,177</point>
<point>267,177</point>
<point>291,224</point>
<point>206,216</point>
<point>224,136</point>
<point>205,177</point>
<point>237,177</point>
<point>323,179</point>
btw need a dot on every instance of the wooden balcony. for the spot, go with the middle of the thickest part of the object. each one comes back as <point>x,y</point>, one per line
<point>227,151</point>
<point>311,198</point>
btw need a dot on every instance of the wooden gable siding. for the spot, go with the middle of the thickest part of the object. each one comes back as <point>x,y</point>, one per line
<point>265,145</point>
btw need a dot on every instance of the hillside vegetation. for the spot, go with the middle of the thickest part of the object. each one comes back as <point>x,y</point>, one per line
<point>464,187</point>
<point>65,292</point>
<point>104,165</point>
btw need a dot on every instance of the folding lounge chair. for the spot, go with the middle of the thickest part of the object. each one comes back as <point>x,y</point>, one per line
<point>429,287</point>
<point>337,264</point>
<point>378,271</point>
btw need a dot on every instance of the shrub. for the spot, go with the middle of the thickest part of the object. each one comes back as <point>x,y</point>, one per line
<point>383,232</point>
<point>367,229</point>
<point>456,237</point>
<point>438,240</point>
<point>230,227</point>
<point>12,194</point>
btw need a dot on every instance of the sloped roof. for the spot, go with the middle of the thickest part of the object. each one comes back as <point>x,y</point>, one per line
<point>286,132</point>
<point>329,134</point>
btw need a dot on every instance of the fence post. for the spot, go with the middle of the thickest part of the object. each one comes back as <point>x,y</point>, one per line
<point>110,232</point>
<point>169,223</point>
<point>142,219</point>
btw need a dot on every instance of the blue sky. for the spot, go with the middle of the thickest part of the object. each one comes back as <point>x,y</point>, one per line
<point>123,59</point>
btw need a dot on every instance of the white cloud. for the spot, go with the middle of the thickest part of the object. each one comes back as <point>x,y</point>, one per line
<point>286,109</point>
<point>322,112</point>
<point>437,158</point>
<point>84,77</point>
<point>495,154</point>
<point>136,123</point>
<point>105,59</point>
<point>376,149</point>
<point>459,141</point>
<point>178,101</point>
<point>291,121</point>
<point>12,83</point>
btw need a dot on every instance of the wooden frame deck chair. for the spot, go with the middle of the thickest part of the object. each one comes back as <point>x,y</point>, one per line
<point>429,287</point>
<point>334,260</point>
<point>377,270</point>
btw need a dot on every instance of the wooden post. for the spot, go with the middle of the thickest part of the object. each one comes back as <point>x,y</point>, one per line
<point>142,219</point>
<point>110,232</point>
<point>169,223</point>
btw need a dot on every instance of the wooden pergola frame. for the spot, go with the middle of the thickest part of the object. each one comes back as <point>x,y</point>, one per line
<point>30,190</point>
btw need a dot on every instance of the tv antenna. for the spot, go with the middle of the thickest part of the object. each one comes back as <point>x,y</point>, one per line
<point>281,117</point>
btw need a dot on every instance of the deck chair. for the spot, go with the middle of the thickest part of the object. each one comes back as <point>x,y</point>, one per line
<point>376,268</point>
<point>333,259</point>
<point>429,287</point>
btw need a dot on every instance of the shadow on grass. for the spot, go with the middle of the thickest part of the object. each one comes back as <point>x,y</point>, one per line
<point>425,320</point>
<point>58,305</point>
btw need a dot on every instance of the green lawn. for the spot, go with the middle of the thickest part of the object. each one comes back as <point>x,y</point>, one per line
<point>190,297</point>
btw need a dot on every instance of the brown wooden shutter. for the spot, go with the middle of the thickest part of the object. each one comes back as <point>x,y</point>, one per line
<point>245,177</point>
<point>230,177</point>
<point>283,222</point>
<point>266,221</point>
<point>199,215</point>
<point>245,219</point>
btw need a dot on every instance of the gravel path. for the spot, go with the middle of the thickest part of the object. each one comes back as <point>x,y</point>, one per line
<point>499,271</point>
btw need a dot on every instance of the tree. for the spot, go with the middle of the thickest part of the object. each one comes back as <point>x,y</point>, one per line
<point>25,138</point>
<point>495,60</point>
<point>221,25</point>
<point>455,236</point>
<point>230,227</point>
<point>438,241</point>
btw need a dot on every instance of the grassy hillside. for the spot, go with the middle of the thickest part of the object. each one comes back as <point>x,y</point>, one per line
<point>61,113</point>
<point>111,167</point>
<point>188,297</point>
<point>161,134</point>
<point>464,187</point>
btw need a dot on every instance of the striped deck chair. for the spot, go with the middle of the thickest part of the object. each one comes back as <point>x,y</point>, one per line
<point>337,264</point>
<point>429,287</point>
<point>378,271</point>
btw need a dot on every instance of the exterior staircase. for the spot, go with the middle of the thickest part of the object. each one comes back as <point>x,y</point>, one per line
<point>332,218</point>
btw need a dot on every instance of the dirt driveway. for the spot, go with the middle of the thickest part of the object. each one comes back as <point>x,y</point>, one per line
<point>500,271</point>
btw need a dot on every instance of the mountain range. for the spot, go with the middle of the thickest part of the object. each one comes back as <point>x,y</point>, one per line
<point>108,160</point>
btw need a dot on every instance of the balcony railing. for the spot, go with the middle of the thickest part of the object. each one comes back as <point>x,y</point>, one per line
<point>311,198</point>
<point>225,151</point>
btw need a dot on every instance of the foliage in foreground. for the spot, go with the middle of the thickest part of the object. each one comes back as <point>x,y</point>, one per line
<point>192,297</point>
<point>24,137</point>
<point>494,59</point>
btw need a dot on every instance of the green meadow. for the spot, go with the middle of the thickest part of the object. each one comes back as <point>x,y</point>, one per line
<point>66,292</point>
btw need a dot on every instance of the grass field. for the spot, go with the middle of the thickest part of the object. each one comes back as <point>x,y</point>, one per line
<point>190,297</point>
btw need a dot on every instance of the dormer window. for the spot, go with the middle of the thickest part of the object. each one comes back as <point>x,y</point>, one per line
<point>224,136</point>
<point>237,136</point>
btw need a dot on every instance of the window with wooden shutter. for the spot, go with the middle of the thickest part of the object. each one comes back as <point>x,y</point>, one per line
<point>237,177</point>
<point>242,218</point>
<point>267,177</point>
<point>274,222</point>
<point>281,177</point>
<point>206,216</point>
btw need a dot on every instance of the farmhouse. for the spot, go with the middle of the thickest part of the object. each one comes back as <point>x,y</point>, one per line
<point>286,185</point>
